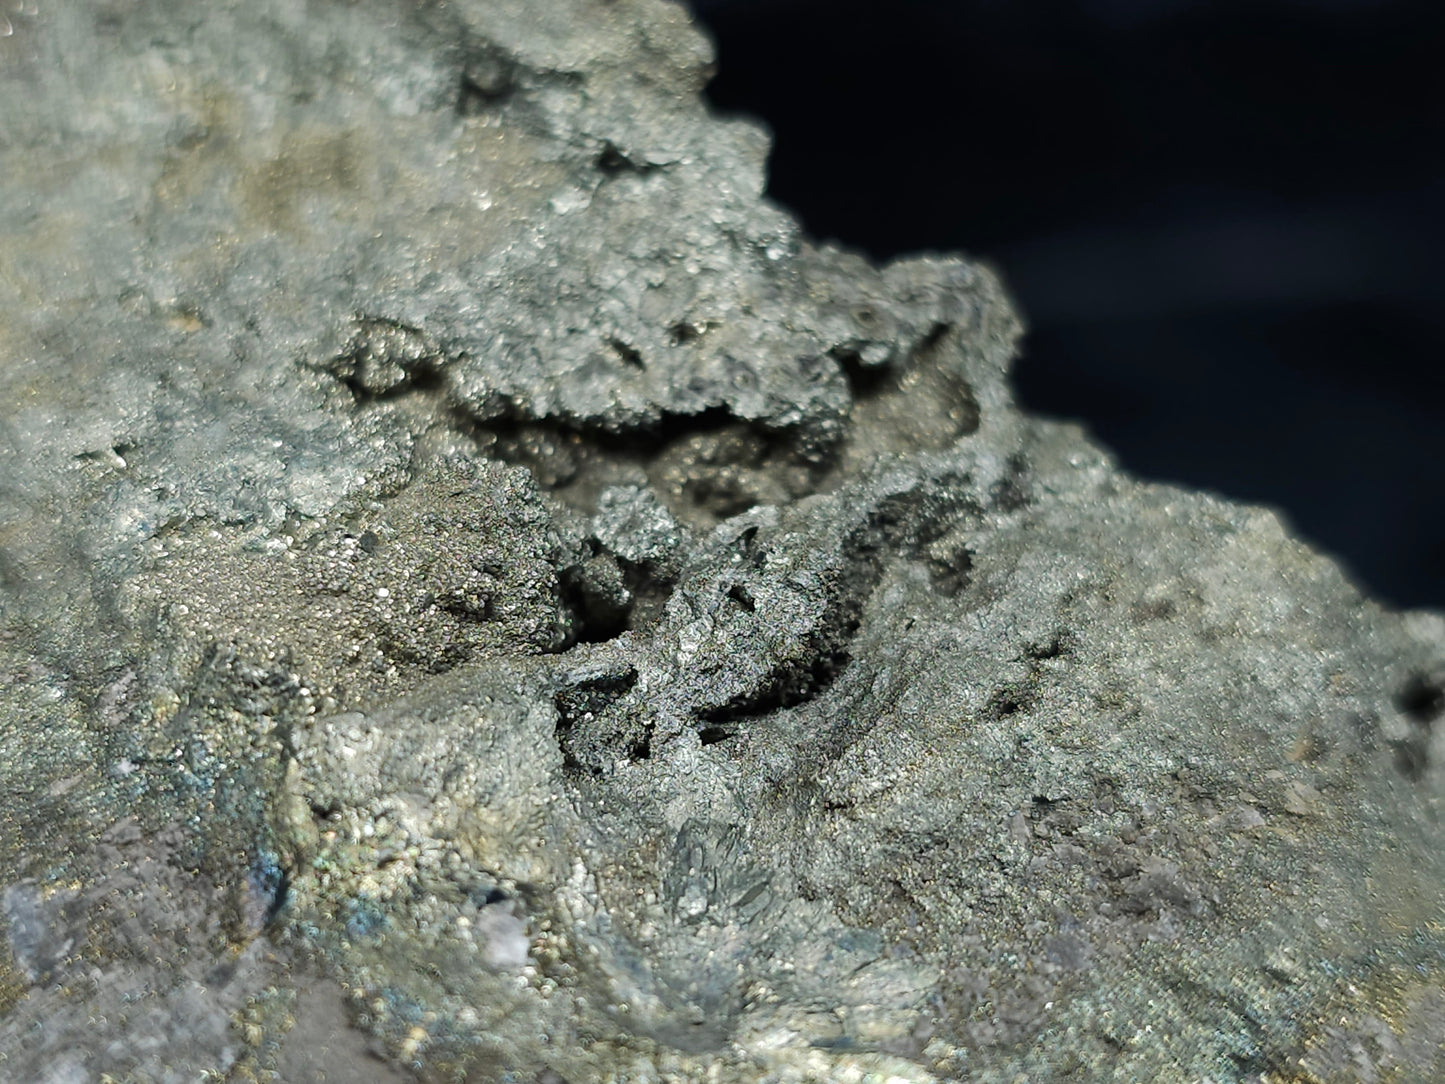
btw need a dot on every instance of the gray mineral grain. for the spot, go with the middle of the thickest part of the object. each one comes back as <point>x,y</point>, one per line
<point>483,597</point>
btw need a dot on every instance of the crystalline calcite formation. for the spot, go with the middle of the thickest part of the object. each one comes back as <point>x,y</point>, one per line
<point>482,597</point>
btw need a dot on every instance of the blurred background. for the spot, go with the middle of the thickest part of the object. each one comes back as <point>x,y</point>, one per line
<point>1224,223</point>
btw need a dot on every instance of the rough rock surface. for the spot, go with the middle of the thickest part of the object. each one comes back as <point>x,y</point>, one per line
<point>482,598</point>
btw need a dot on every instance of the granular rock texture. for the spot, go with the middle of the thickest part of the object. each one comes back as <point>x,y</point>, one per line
<point>483,598</point>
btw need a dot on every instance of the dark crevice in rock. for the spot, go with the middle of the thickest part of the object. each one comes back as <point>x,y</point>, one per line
<point>864,381</point>
<point>787,688</point>
<point>650,587</point>
<point>386,359</point>
<point>1008,700</point>
<point>749,548</point>
<point>612,160</point>
<point>1057,646</point>
<point>917,403</point>
<point>595,593</point>
<point>486,83</point>
<point>580,704</point>
<point>683,332</point>
<point>704,467</point>
<point>936,334</point>
<point>899,527</point>
<point>464,608</point>
<point>423,381</point>
<point>709,466</point>
<point>489,76</point>
<point>1422,702</point>
<point>743,597</point>
<point>1019,697</point>
<point>1422,699</point>
<point>630,355</point>
<point>116,455</point>
<point>951,571</point>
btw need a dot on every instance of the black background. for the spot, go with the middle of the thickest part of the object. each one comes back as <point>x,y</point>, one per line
<point>1224,222</point>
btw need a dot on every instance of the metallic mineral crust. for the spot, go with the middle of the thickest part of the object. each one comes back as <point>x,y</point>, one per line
<point>483,598</point>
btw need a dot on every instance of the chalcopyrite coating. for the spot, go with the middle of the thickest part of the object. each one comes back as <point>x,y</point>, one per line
<point>483,598</point>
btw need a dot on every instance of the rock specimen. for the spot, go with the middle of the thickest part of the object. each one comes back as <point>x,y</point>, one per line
<point>483,598</point>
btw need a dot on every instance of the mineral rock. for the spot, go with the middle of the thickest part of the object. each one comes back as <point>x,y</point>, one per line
<point>483,598</point>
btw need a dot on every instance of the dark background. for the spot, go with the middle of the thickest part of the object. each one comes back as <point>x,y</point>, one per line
<point>1224,222</point>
